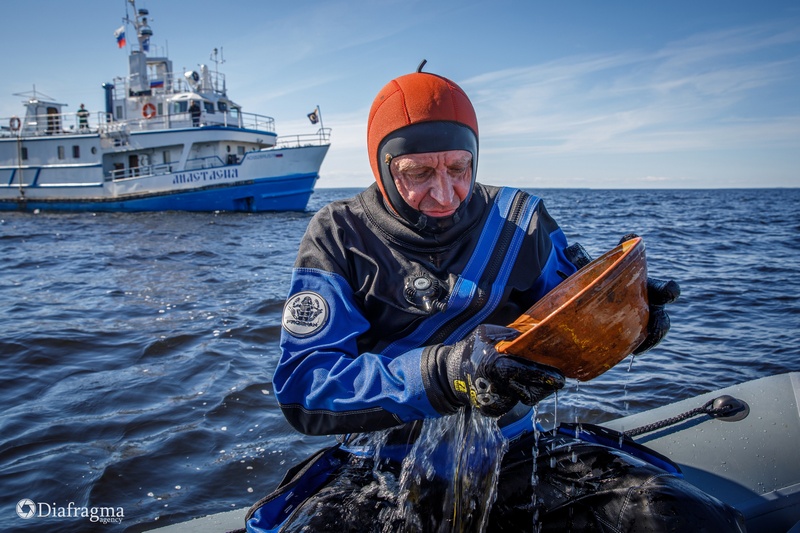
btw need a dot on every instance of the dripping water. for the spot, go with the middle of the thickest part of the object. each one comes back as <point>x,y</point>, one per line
<point>534,473</point>
<point>454,460</point>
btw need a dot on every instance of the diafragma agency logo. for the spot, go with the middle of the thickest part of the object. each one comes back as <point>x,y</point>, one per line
<point>27,509</point>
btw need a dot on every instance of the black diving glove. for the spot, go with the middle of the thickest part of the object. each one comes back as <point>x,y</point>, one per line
<point>472,372</point>
<point>659,294</point>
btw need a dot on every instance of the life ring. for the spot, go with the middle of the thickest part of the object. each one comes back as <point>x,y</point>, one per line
<point>14,123</point>
<point>148,111</point>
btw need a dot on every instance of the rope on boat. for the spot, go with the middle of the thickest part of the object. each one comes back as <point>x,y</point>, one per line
<point>724,407</point>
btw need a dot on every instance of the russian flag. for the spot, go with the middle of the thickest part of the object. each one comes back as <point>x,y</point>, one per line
<point>156,83</point>
<point>120,36</point>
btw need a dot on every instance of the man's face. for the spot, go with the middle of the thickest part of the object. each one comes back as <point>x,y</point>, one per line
<point>434,183</point>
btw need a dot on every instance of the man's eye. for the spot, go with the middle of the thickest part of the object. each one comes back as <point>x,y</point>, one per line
<point>418,175</point>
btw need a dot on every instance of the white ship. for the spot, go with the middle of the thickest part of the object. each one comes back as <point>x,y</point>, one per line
<point>163,142</point>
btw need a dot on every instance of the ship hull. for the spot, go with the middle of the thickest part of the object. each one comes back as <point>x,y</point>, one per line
<point>267,180</point>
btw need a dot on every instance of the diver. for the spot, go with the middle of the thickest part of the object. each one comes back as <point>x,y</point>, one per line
<point>396,300</point>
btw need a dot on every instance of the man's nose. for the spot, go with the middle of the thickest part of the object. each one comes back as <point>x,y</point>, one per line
<point>442,186</point>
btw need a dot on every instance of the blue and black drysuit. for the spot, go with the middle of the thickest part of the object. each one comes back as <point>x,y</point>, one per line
<point>371,299</point>
<point>363,365</point>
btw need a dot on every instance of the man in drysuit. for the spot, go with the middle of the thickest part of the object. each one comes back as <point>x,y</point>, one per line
<point>396,300</point>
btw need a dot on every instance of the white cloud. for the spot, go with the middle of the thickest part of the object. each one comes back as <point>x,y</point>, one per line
<point>701,93</point>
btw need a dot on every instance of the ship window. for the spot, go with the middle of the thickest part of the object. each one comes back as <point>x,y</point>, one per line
<point>76,151</point>
<point>209,107</point>
<point>240,150</point>
<point>61,152</point>
<point>119,113</point>
<point>166,156</point>
<point>24,153</point>
<point>160,108</point>
<point>222,106</point>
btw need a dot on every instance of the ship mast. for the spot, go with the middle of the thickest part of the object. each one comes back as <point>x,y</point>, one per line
<point>137,61</point>
<point>143,31</point>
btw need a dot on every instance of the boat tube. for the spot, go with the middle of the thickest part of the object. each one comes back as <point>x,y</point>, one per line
<point>747,460</point>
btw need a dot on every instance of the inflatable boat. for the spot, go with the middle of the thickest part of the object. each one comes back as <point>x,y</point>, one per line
<point>739,444</point>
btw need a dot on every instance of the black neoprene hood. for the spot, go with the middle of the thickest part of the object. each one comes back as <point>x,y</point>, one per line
<point>420,138</point>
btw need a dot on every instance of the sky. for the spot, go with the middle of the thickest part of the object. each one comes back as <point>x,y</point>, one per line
<point>568,93</point>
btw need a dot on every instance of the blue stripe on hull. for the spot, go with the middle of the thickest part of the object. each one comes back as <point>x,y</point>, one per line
<point>273,194</point>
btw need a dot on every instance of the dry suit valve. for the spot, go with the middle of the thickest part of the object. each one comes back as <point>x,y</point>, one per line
<point>423,292</point>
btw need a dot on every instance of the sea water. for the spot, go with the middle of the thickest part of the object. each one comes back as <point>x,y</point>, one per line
<point>138,349</point>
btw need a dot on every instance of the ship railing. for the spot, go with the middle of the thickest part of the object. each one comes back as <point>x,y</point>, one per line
<point>254,121</point>
<point>142,171</point>
<point>48,125</point>
<point>200,163</point>
<point>184,120</point>
<point>322,137</point>
<point>250,121</point>
<point>52,124</point>
<point>162,84</point>
<point>165,83</point>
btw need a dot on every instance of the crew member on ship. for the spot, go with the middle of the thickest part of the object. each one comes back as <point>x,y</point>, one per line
<point>83,118</point>
<point>194,110</point>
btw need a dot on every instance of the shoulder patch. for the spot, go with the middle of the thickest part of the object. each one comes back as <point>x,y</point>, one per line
<point>305,313</point>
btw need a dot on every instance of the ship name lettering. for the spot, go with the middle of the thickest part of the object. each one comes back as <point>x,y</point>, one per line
<point>205,175</point>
